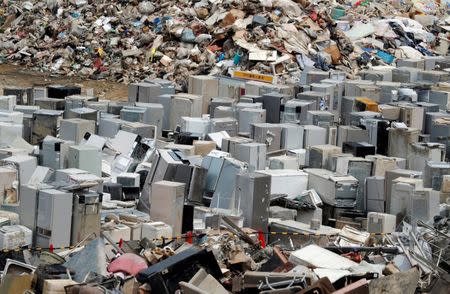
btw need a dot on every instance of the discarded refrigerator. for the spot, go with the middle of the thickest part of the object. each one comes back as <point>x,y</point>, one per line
<point>74,129</point>
<point>85,216</point>
<point>85,157</point>
<point>253,194</point>
<point>53,152</point>
<point>402,195</point>
<point>45,122</point>
<point>440,133</point>
<point>399,140</point>
<point>420,153</point>
<point>184,105</point>
<point>334,189</point>
<point>269,134</point>
<point>296,111</point>
<point>319,155</point>
<point>374,193</point>
<point>54,220</point>
<point>167,201</point>
<point>433,174</point>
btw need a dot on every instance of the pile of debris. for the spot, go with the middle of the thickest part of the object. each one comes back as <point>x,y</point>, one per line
<point>265,147</point>
<point>130,254</point>
<point>233,261</point>
<point>129,40</point>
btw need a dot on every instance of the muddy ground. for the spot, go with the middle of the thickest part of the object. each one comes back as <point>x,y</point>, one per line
<point>11,75</point>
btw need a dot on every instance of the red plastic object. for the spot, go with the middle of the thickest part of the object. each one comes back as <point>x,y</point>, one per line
<point>98,62</point>
<point>214,48</point>
<point>355,256</point>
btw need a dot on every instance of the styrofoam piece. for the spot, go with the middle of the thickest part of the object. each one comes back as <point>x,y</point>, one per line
<point>349,235</point>
<point>15,236</point>
<point>318,257</point>
<point>13,217</point>
<point>156,230</point>
<point>136,231</point>
<point>119,232</point>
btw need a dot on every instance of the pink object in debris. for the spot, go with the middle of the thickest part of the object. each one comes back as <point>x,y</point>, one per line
<point>128,263</point>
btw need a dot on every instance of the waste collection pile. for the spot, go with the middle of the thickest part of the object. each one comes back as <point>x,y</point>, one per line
<point>126,41</point>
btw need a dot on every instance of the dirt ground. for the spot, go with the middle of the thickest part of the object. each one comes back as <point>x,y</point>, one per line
<point>11,75</point>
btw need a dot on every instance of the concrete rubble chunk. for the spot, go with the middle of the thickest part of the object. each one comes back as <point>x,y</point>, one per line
<point>405,282</point>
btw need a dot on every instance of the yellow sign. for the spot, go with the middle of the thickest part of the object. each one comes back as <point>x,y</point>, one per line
<point>253,76</point>
<point>100,52</point>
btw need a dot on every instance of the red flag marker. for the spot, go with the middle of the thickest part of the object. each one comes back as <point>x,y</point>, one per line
<point>261,239</point>
<point>189,237</point>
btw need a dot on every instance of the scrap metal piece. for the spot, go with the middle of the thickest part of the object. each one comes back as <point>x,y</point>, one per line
<point>240,233</point>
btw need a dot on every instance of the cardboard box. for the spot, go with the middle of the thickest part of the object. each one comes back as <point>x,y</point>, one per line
<point>203,147</point>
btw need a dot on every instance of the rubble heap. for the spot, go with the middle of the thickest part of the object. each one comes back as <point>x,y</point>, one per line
<point>129,40</point>
<point>332,185</point>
